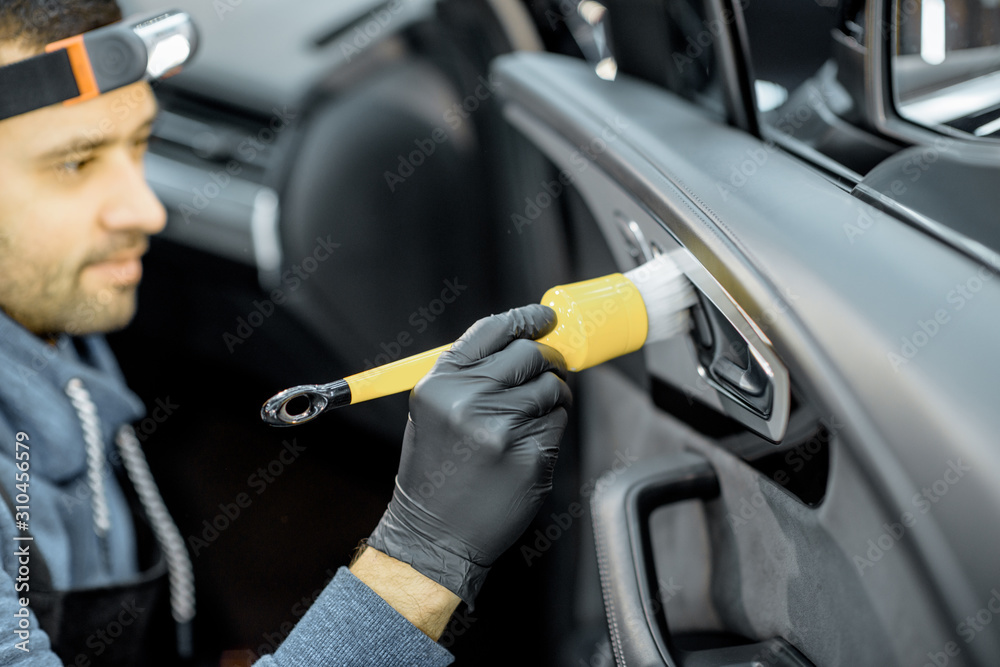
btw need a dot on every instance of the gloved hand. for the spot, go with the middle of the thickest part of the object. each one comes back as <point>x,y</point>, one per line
<point>478,452</point>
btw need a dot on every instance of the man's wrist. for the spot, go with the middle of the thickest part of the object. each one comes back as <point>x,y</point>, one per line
<point>422,601</point>
<point>403,533</point>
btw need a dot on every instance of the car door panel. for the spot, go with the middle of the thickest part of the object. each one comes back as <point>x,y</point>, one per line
<point>831,286</point>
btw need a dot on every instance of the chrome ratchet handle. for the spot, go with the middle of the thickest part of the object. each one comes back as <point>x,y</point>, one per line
<point>320,397</point>
<point>275,411</point>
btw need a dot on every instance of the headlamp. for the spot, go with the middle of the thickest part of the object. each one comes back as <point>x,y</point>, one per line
<point>149,46</point>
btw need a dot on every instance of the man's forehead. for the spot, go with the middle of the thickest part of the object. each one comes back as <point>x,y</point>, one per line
<point>14,51</point>
<point>106,118</point>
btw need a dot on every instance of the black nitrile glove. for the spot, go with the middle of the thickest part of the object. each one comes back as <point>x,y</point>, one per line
<point>478,452</point>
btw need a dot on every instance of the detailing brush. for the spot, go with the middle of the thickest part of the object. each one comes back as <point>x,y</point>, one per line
<point>597,320</point>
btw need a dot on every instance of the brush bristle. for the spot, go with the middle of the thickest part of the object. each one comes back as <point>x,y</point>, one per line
<point>667,294</point>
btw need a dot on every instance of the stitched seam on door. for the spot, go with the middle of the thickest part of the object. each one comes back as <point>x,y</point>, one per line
<point>609,602</point>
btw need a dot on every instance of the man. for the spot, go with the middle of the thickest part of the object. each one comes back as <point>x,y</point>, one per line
<point>75,216</point>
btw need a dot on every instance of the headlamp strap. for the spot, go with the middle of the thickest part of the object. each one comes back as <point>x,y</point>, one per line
<point>36,82</point>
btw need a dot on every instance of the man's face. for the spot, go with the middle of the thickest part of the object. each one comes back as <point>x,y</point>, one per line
<point>75,211</point>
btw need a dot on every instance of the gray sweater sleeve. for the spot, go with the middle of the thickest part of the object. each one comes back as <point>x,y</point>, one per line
<point>349,624</point>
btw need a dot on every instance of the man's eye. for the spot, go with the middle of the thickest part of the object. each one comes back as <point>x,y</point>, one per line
<point>73,166</point>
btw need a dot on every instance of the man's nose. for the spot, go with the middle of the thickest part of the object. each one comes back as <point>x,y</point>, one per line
<point>132,204</point>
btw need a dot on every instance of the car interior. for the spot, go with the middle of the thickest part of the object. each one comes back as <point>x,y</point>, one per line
<point>807,477</point>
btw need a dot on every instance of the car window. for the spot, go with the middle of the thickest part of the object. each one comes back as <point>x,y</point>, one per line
<point>672,44</point>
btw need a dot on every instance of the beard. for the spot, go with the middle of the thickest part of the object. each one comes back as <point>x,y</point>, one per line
<point>49,299</point>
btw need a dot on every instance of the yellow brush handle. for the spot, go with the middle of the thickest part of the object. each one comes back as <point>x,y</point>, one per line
<point>596,320</point>
<point>393,378</point>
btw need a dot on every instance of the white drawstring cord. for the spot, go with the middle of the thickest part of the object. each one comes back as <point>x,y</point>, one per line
<point>182,597</point>
<point>179,569</point>
<point>96,462</point>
